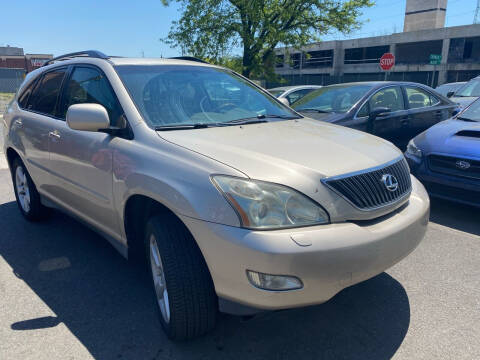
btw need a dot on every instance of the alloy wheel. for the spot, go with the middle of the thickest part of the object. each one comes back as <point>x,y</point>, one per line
<point>159,282</point>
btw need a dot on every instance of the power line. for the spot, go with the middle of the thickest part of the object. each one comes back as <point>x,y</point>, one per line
<point>476,19</point>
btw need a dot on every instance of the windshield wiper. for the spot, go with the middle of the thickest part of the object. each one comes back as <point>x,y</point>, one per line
<point>245,121</point>
<point>183,126</point>
<point>465,119</point>
<point>274,116</point>
<point>315,110</point>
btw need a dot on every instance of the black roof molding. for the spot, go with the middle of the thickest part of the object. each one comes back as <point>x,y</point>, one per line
<point>87,53</point>
<point>189,58</point>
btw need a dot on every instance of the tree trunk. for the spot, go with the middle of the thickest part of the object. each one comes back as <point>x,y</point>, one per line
<point>247,62</point>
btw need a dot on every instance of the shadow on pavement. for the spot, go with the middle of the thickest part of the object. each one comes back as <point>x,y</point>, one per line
<point>456,216</point>
<point>107,304</point>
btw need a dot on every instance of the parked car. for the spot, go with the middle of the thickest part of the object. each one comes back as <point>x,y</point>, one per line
<point>466,94</point>
<point>292,93</point>
<point>396,111</point>
<point>446,157</point>
<point>449,88</point>
<point>233,200</point>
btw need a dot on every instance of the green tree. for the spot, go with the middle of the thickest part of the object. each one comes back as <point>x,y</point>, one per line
<point>212,29</point>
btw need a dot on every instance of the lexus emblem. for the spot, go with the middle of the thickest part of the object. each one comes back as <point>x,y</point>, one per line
<point>390,182</point>
<point>461,164</point>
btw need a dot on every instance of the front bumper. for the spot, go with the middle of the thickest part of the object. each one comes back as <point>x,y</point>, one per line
<point>340,254</point>
<point>444,186</point>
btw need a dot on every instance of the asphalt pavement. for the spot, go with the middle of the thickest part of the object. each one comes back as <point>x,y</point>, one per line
<point>65,293</point>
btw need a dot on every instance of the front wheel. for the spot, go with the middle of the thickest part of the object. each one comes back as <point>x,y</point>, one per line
<point>182,284</point>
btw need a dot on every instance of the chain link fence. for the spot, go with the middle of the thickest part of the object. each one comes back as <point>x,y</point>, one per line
<point>10,81</point>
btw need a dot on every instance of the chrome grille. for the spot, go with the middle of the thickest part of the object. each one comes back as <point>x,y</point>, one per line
<point>366,190</point>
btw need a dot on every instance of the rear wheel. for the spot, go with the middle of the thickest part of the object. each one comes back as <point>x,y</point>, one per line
<point>182,285</point>
<point>28,199</point>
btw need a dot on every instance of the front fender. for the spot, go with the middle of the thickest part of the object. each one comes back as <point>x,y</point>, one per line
<point>176,177</point>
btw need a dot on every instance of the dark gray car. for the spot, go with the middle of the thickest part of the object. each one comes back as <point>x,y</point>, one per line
<point>396,111</point>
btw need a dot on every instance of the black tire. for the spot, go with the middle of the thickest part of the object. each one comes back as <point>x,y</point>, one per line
<point>192,299</point>
<point>36,211</point>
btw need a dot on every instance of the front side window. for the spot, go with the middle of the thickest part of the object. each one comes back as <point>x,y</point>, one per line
<point>89,85</point>
<point>170,95</point>
<point>335,98</point>
<point>419,98</point>
<point>390,98</point>
<point>44,97</point>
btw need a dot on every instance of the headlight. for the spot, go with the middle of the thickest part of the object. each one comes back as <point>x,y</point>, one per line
<point>413,150</point>
<point>262,205</point>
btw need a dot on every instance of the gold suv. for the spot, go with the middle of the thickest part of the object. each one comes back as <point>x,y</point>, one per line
<point>236,202</point>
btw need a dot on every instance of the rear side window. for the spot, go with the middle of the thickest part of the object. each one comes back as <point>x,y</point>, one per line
<point>44,97</point>
<point>89,85</point>
<point>419,98</point>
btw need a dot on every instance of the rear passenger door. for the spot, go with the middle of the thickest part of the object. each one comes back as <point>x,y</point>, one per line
<point>34,125</point>
<point>426,109</point>
<point>81,161</point>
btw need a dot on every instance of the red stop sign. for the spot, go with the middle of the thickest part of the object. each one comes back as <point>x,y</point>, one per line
<point>387,61</point>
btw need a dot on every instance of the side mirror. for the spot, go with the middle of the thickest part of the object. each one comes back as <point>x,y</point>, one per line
<point>284,101</point>
<point>379,111</point>
<point>450,94</point>
<point>87,117</point>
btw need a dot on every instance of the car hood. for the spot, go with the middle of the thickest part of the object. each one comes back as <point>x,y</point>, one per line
<point>456,137</point>
<point>463,101</point>
<point>328,117</point>
<point>276,150</point>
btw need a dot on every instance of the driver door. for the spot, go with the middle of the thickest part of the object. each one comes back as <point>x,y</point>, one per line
<point>81,161</point>
<point>393,125</point>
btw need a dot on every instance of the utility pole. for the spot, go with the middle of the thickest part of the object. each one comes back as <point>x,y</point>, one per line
<point>476,19</point>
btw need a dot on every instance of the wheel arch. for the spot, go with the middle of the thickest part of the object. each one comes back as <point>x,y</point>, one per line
<point>12,154</point>
<point>137,210</point>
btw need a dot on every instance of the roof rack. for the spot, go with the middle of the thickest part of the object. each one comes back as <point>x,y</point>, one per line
<point>86,53</point>
<point>189,58</point>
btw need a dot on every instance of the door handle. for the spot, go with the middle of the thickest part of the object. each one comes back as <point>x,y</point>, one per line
<point>404,121</point>
<point>54,134</point>
<point>19,122</point>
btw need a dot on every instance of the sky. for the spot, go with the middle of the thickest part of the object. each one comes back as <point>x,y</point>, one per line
<point>134,28</point>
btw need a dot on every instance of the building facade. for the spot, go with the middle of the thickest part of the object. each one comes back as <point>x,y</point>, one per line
<point>14,64</point>
<point>358,59</point>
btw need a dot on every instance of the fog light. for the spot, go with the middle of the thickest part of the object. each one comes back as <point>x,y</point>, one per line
<point>273,282</point>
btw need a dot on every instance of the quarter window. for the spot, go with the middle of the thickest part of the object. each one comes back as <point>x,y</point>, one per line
<point>44,97</point>
<point>23,99</point>
<point>89,85</point>
<point>419,98</point>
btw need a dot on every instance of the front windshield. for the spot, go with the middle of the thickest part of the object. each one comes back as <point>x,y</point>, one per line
<point>171,95</point>
<point>276,93</point>
<point>472,113</point>
<point>446,88</point>
<point>472,88</point>
<point>336,98</point>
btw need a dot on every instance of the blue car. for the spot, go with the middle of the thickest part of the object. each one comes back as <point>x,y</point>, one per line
<point>446,157</point>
